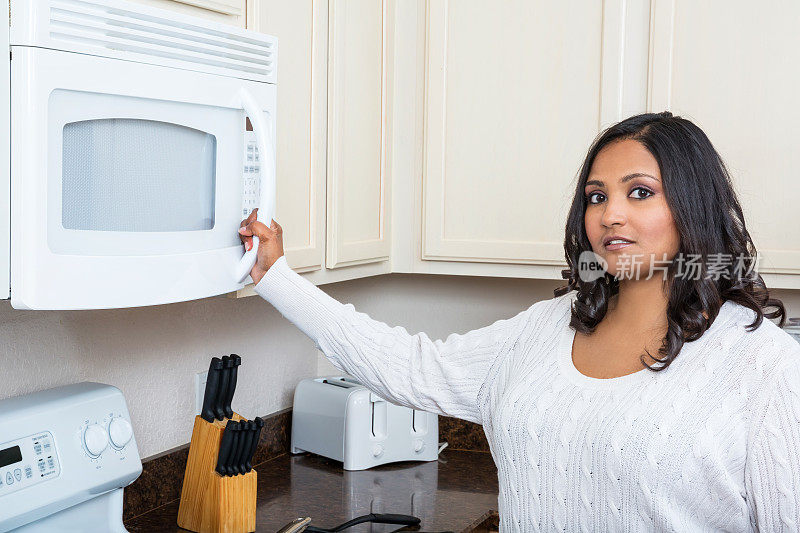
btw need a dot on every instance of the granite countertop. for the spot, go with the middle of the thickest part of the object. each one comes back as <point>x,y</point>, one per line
<point>457,493</point>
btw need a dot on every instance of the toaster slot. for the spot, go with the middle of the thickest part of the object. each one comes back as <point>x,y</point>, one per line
<point>379,418</point>
<point>419,421</point>
<point>340,382</point>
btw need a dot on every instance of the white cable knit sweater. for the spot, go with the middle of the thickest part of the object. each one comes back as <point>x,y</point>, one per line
<point>712,443</point>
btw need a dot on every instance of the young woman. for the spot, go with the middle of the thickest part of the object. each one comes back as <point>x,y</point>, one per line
<point>648,395</point>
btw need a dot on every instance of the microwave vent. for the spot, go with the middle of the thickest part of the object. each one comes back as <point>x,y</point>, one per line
<point>145,35</point>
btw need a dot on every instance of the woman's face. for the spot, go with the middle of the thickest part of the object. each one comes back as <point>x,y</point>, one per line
<point>625,197</point>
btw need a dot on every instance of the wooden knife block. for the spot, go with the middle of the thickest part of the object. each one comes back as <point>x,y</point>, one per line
<point>211,503</point>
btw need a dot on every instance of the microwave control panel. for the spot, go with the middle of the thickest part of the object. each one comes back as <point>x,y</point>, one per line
<point>252,171</point>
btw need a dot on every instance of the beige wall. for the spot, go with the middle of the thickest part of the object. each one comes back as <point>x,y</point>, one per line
<point>153,353</point>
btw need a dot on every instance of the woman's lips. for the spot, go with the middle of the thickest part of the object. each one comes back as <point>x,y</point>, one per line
<point>618,246</point>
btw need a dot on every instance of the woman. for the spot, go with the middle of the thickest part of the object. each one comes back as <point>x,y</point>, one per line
<point>657,401</point>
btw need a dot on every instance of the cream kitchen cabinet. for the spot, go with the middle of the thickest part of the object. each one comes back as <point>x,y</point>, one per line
<point>358,190</point>
<point>728,67</point>
<point>332,188</point>
<point>512,96</point>
<point>225,11</point>
<point>446,137</point>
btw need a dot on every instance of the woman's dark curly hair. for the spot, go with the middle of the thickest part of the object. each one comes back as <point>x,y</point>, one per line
<point>709,219</point>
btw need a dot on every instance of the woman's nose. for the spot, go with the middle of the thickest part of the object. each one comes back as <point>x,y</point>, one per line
<point>614,212</point>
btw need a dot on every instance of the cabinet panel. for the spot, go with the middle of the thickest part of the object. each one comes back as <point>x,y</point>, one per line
<point>358,186</point>
<point>514,96</point>
<point>302,32</point>
<point>726,65</point>
<point>225,11</point>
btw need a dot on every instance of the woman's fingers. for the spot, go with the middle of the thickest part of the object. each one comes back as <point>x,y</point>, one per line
<point>248,241</point>
<point>255,228</point>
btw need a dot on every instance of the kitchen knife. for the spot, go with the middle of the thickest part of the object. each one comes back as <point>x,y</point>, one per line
<point>236,361</point>
<point>212,389</point>
<point>259,423</point>
<point>229,470</point>
<point>244,443</point>
<point>225,448</point>
<point>224,379</point>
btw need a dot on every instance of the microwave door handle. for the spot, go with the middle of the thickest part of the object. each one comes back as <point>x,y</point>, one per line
<point>266,204</point>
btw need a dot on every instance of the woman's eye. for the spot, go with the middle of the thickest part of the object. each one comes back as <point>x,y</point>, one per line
<point>592,195</point>
<point>649,194</point>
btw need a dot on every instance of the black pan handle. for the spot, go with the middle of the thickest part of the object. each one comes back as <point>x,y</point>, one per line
<point>401,519</point>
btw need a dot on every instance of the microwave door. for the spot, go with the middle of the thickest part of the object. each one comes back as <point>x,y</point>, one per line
<point>127,189</point>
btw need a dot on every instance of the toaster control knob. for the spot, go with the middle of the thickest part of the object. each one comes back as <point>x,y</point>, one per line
<point>377,450</point>
<point>96,440</point>
<point>120,431</point>
<point>419,445</point>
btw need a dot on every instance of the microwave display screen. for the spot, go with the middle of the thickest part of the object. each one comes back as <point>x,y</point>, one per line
<point>9,456</point>
<point>137,176</point>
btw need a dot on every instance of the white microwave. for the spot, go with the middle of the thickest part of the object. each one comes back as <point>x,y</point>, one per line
<point>130,161</point>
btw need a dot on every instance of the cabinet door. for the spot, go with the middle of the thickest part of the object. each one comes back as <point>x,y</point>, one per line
<point>515,93</point>
<point>728,66</point>
<point>225,11</point>
<point>358,188</point>
<point>302,32</point>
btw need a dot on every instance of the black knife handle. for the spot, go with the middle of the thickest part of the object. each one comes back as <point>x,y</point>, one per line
<point>229,469</point>
<point>237,459</point>
<point>212,389</point>
<point>224,379</point>
<point>225,448</point>
<point>235,362</point>
<point>259,423</point>
<point>241,458</point>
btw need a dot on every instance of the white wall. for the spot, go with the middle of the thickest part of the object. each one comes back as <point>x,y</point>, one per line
<point>153,353</point>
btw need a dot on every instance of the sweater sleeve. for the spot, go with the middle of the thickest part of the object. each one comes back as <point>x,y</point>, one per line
<point>441,377</point>
<point>773,459</point>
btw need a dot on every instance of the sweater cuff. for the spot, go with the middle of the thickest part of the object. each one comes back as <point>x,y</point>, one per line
<point>298,300</point>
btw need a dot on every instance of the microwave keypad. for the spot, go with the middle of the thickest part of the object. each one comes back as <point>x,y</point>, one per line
<point>252,180</point>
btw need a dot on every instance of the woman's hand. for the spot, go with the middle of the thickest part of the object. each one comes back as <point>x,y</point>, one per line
<point>270,245</point>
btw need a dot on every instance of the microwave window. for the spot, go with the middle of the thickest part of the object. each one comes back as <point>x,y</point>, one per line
<point>137,175</point>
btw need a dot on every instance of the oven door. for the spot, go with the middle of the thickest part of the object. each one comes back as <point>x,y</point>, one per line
<point>127,180</point>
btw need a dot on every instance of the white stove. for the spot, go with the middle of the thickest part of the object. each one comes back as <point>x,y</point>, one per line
<point>65,456</point>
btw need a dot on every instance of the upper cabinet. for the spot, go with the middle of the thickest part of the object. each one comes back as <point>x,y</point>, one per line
<point>514,95</point>
<point>358,183</point>
<point>225,11</point>
<point>446,137</point>
<point>728,67</point>
<point>302,31</point>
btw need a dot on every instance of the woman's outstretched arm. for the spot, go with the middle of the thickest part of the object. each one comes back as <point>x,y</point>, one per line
<point>441,377</point>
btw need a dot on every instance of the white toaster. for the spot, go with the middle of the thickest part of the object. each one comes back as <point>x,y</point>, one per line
<point>339,418</point>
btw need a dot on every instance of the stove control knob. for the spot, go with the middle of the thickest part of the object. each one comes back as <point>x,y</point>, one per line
<point>95,439</point>
<point>377,450</point>
<point>419,445</point>
<point>120,431</point>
